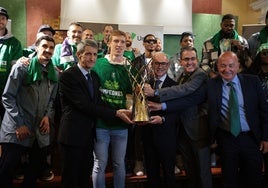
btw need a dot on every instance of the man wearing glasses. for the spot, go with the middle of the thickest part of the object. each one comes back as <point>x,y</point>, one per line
<point>193,131</point>
<point>159,136</point>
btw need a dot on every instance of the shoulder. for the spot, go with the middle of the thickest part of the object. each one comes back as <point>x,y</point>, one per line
<point>14,40</point>
<point>58,47</point>
<point>171,81</point>
<point>18,69</point>
<point>248,77</point>
<point>208,40</point>
<point>200,73</point>
<point>74,70</point>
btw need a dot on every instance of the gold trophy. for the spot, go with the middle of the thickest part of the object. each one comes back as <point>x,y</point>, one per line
<point>138,76</point>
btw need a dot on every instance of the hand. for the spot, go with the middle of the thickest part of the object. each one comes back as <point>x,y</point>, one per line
<point>156,120</point>
<point>153,106</point>
<point>44,125</point>
<point>238,44</point>
<point>24,60</point>
<point>22,132</point>
<point>212,74</point>
<point>214,145</point>
<point>125,115</point>
<point>148,91</point>
<point>264,146</point>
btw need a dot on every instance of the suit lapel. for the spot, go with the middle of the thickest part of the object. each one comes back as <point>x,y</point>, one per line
<point>218,87</point>
<point>243,88</point>
<point>84,81</point>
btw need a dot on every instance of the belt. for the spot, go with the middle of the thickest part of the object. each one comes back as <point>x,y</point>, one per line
<point>245,133</point>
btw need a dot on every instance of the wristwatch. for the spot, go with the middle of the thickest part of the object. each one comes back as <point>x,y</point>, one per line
<point>163,119</point>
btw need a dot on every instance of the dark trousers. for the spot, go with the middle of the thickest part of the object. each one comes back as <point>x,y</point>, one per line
<point>11,155</point>
<point>159,151</point>
<point>265,160</point>
<point>190,157</point>
<point>240,157</point>
<point>77,165</point>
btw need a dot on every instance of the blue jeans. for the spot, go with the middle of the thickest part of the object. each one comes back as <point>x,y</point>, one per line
<point>118,141</point>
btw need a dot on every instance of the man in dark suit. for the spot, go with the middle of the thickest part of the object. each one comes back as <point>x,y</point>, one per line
<point>241,153</point>
<point>193,134</point>
<point>80,98</point>
<point>159,139</point>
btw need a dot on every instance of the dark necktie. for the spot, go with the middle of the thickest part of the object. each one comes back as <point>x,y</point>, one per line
<point>157,83</point>
<point>90,84</point>
<point>234,111</point>
<point>184,78</point>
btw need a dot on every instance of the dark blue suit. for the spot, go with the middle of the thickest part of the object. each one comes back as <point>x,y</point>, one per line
<point>243,151</point>
<point>77,128</point>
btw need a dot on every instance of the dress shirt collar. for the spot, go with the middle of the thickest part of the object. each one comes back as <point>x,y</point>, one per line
<point>83,70</point>
<point>162,78</point>
<point>235,80</point>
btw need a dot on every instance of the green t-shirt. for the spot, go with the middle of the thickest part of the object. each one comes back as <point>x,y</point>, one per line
<point>114,85</point>
<point>10,50</point>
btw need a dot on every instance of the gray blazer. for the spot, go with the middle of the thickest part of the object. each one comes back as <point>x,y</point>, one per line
<point>178,91</point>
<point>189,117</point>
<point>26,104</point>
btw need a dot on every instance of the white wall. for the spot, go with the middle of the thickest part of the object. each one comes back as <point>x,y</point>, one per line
<point>174,15</point>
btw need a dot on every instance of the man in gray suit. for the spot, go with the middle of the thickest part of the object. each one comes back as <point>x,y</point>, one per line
<point>193,127</point>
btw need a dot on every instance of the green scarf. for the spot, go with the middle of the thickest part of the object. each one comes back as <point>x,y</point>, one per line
<point>218,36</point>
<point>264,35</point>
<point>34,71</point>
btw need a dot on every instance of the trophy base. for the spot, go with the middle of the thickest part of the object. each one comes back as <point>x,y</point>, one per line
<point>141,122</point>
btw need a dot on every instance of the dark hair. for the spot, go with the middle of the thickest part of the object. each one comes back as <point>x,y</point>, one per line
<point>45,37</point>
<point>148,35</point>
<point>187,48</point>
<point>266,17</point>
<point>228,17</point>
<point>186,34</point>
<point>82,45</point>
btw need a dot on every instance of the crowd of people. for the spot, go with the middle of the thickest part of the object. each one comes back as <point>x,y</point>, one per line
<point>74,95</point>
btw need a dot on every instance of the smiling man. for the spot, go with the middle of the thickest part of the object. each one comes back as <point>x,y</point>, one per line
<point>65,53</point>
<point>28,99</point>
<point>114,85</point>
<point>193,127</point>
<point>10,51</point>
<point>80,99</point>
<point>159,140</point>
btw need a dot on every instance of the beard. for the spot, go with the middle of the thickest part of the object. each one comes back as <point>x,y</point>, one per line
<point>128,43</point>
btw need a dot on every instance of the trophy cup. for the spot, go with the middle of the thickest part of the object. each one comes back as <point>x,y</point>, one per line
<point>225,45</point>
<point>138,76</point>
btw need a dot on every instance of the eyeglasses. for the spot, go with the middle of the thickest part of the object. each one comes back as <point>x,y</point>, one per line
<point>264,53</point>
<point>187,59</point>
<point>151,41</point>
<point>160,63</point>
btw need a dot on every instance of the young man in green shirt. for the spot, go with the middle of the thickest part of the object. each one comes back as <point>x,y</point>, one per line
<point>10,51</point>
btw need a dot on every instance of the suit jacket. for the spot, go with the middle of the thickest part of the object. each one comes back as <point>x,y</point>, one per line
<point>79,109</point>
<point>189,117</point>
<point>255,104</point>
<point>165,133</point>
<point>178,91</point>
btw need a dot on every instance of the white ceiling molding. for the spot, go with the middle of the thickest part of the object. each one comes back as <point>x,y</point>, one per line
<point>260,5</point>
